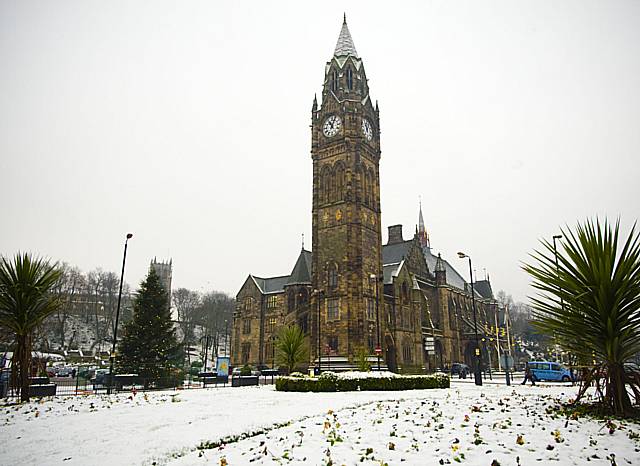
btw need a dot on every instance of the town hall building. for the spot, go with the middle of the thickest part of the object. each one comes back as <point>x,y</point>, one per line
<point>406,306</point>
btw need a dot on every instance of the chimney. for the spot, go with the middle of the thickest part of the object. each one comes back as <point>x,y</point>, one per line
<point>395,234</point>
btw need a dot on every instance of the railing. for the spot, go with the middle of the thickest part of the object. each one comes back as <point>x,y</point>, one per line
<point>69,386</point>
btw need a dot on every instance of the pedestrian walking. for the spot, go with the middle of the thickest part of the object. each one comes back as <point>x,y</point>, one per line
<point>527,375</point>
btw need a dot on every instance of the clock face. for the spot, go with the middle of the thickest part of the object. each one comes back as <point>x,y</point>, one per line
<point>367,129</point>
<point>332,126</point>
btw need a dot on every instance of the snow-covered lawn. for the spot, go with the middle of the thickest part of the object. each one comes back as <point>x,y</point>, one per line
<point>466,424</point>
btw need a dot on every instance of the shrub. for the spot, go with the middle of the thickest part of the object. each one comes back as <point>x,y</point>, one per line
<point>362,359</point>
<point>246,370</point>
<point>331,382</point>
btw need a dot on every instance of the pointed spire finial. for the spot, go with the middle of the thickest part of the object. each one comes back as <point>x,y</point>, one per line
<point>345,18</point>
<point>303,241</point>
<point>345,45</point>
<point>315,103</point>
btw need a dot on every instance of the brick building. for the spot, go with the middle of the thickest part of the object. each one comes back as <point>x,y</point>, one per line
<point>353,291</point>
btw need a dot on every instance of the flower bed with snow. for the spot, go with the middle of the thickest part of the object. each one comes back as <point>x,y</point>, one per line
<point>354,381</point>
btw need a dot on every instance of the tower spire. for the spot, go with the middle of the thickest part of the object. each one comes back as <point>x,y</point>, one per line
<point>345,44</point>
<point>423,236</point>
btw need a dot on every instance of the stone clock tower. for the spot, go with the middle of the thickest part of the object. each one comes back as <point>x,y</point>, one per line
<point>345,149</point>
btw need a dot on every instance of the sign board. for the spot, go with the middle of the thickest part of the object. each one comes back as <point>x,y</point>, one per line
<point>222,364</point>
<point>429,344</point>
<point>378,350</point>
<point>506,361</point>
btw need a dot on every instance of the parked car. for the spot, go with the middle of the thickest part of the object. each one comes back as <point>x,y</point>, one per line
<point>544,370</point>
<point>101,377</point>
<point>461,370</point>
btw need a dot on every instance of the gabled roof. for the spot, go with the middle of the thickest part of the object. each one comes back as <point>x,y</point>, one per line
<point>271,284</point>
<point>453,277</point>
<point>396,252</point>
<point>345,44</point>
<point>483,287</point>
<point>301,273</point>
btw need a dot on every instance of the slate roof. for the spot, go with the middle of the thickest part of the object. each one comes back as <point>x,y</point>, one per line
<point>271,284</point>
<point>483,287</point>
<point>301,273</point>
<point>345,44</point>
<point>394,254</point>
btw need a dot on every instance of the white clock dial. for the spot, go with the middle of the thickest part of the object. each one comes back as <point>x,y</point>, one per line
<point>367,130</point>
<point>332,126</point>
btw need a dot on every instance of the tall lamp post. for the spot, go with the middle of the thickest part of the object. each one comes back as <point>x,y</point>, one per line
<point>318,298</point>
<point>115,328</point>
<point>477,373</point>
<point>374,278</point>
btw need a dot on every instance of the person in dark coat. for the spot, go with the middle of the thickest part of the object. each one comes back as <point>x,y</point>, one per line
<point>527,375</point>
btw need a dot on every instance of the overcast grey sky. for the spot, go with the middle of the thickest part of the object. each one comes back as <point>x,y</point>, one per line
<point>187,124</point>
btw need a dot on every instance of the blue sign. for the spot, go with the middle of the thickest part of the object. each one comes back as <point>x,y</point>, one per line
<point>222,365</point>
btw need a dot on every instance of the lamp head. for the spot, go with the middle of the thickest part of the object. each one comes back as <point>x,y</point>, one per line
<point>129,235</point>
<point>557,236</point>
<point>462,255</point>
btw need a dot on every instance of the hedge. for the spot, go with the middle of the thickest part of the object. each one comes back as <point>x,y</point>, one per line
<point>330,382</point>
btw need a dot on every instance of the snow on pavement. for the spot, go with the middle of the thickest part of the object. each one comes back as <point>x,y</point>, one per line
<point>466,424</point>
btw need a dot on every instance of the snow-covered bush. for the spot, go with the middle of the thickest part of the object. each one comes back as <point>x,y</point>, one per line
<point>353,381</point>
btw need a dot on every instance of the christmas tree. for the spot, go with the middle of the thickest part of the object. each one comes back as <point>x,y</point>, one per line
<point>149,346</point>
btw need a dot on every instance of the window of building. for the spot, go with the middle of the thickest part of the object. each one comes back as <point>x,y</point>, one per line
<point>272,302</point>
<point>407,355</point>
<point>246,326</point>
<point>333,311</point>
<point>339,171</point>
<point>349,79</point>
<point>271,324</point>
<point>246,353</point>
<point>332,342</point>
<point>303,297</point>
<point>303,323</point>
<point>405,293</point>
<point>332,276</point>
<point>371,310</point>
<point>291,300</point>
<point>371,340</point>
<point>334,81</point>
<point>248,304</point>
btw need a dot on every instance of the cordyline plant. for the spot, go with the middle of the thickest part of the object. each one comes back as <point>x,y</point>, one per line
<point>25,301</point>
<point>292,348</point>
<point>590,302</point>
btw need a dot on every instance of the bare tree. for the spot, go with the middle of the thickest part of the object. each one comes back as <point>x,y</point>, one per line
<point>186,303</point>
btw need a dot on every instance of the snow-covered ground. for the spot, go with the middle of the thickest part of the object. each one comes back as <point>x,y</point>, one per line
<point>466,424</point>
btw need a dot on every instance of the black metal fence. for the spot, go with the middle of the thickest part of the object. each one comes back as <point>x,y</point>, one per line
<point>68,386</point>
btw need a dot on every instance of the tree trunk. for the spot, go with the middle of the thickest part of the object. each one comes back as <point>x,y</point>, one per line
<point>23,353</point>
<point>617,395</point>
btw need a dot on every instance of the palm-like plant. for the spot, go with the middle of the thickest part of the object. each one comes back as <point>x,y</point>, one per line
<point>590,302</point>
<point>291,347</point>
<point>25,301</point>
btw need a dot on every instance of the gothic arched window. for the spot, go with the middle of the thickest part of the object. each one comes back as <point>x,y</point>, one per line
<point>405,293</point>
<point>359,184</point>
<point>339,181</point>
<point>349,79</point>
<point>302,297</point>
<point>326,185</point>
<point>367,187</point>
<point>334,81</point>
<point>371,190</point>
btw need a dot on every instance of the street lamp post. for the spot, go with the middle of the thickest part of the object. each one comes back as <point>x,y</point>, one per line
<point>318,298</point>
<point>478,374</point>
<point>115,328</point>
<point>374,279</point>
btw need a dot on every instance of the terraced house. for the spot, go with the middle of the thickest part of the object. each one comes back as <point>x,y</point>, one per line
<point>353,292</point>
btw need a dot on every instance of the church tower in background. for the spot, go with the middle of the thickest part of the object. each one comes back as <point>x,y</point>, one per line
<point>347,261</point>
